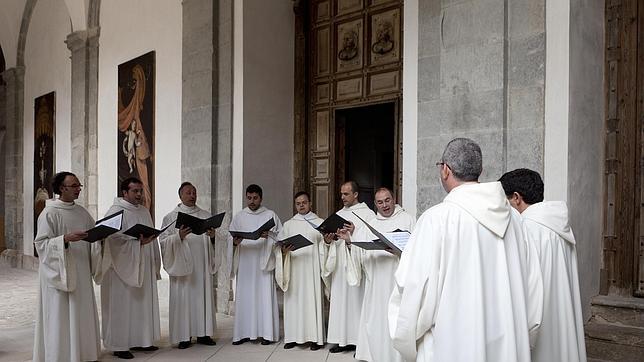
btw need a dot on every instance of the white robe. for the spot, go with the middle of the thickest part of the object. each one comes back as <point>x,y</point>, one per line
<point>378,268</point>
<point>462,283</point>
<point>561,335</point>
<point>345,301</point>
<point>256,310</point>
<point>299,276</point>
<point>67,322</point>
<point>128,277</point>
<point>191,264</point>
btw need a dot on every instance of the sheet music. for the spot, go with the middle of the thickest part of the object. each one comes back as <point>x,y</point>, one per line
<point>113,222</point>
<point>399,238</point>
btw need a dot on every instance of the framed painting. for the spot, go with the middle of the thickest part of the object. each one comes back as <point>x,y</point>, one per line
<point>44,148</point>
<point>135,141</point>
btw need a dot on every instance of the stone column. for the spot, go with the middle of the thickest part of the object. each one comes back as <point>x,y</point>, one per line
<point>3,132</point>
<point>13,156</point>
<point>206,124</point>
<point>84,117</point>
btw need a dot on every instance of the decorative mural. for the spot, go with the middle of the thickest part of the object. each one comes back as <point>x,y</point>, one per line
<point>135,146</point>
<point>44,138</point>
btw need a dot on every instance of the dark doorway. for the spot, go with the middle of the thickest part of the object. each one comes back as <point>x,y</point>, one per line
<point>365,148</point>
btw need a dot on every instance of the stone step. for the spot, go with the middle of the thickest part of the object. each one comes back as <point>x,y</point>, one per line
<point>615,331</point>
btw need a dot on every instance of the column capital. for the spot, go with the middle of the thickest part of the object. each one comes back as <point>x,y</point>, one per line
<point>83,38</point>
<point>11,74</point>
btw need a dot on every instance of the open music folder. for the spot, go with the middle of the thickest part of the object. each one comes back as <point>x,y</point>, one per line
<point>253,235</point>
<point>105,227</point>
<point>395,240</point>
<point>197,225</point>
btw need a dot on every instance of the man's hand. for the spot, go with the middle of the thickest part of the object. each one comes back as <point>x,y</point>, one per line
<point>345,235</point>
<point>287,249</point>
<point>264,234</point>
<point>145,240</point>
<point>329,238</point>
<point>74,236</point>
<point>237,240</point>
<point>349,227</point>
<point>212,232</point>
<point>184,231</point>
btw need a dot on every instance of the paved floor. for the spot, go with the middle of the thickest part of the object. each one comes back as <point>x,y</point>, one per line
<point>18,293</point>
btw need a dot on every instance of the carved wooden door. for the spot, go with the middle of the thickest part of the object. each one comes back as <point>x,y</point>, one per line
<point>355,59</point>
<point>623,247</point>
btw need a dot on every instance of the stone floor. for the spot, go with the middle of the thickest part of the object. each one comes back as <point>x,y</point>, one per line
<point>18,293</point>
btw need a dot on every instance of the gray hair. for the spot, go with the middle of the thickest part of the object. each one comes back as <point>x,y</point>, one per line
<point>463,156</point>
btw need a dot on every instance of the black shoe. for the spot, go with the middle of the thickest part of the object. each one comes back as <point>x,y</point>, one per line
<point>336,349</point>
<point>315,346</point>
<point>290,345</point>
<point>206,340</point>
<point>145,349</point>
<point>123,354</point>
<point>350,347</point>
<point>265,342</point>
<point>184,345</point>
<point>243,340</point>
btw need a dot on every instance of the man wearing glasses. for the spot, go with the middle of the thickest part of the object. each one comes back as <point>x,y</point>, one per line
<point>463,284</point>
<point>67,324</point>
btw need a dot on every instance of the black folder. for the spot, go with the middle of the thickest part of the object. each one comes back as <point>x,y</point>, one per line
<point>100,232</point>
<point>297,241</point>
<point>381,238</point>
<point>253,235</point>
<point>140,229</point>
<point>332,224</point>
<point>370,245</point>
<point>199,226</point>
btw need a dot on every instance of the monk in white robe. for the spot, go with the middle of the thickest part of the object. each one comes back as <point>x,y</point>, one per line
<point>462,282</point>
<point>561,334</point>
<point>346,301</point>
<point>256,313</point>
<point>128,277</point>
<point>191,262</point>
<point>298,274</point>
<point>67,322</point>
<point>378,268</point>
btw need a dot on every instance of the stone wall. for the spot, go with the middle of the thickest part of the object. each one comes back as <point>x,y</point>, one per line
<point>481,71</point>
<point>585,141</point>
<point>206,122</point>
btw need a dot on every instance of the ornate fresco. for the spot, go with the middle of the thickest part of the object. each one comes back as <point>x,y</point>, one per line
<point>44,146</point>
<point>135,146</point>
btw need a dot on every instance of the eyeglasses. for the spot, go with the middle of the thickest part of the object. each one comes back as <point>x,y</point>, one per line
<point>74,186</point>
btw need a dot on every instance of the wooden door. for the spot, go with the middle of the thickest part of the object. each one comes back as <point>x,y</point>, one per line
<point>354,56</point>
<point>623,245</point>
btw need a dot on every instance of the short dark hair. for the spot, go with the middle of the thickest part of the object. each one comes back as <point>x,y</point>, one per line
<point>353,184</point>
<point>184,184</point>
<point>58,179</point>
<point>125,184</point>
<point>302,193</point>
<point>254,189</point>
<point>525,182</point>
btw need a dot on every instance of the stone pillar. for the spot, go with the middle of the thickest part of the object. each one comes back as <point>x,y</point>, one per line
<point>206,124</point>
<point>3,132</point>
<point>482,79</point>
<point>13,157</point>
<point>84,116</point>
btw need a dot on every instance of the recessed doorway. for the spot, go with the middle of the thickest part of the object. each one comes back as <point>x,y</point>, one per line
<point>366,149</point>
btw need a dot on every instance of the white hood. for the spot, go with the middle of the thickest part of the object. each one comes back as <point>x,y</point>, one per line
<point>553,215</point>
<point>486,202</point>
<point>397,210</point>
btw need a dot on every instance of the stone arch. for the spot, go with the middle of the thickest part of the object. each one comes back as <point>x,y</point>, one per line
<point>24,29</point>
